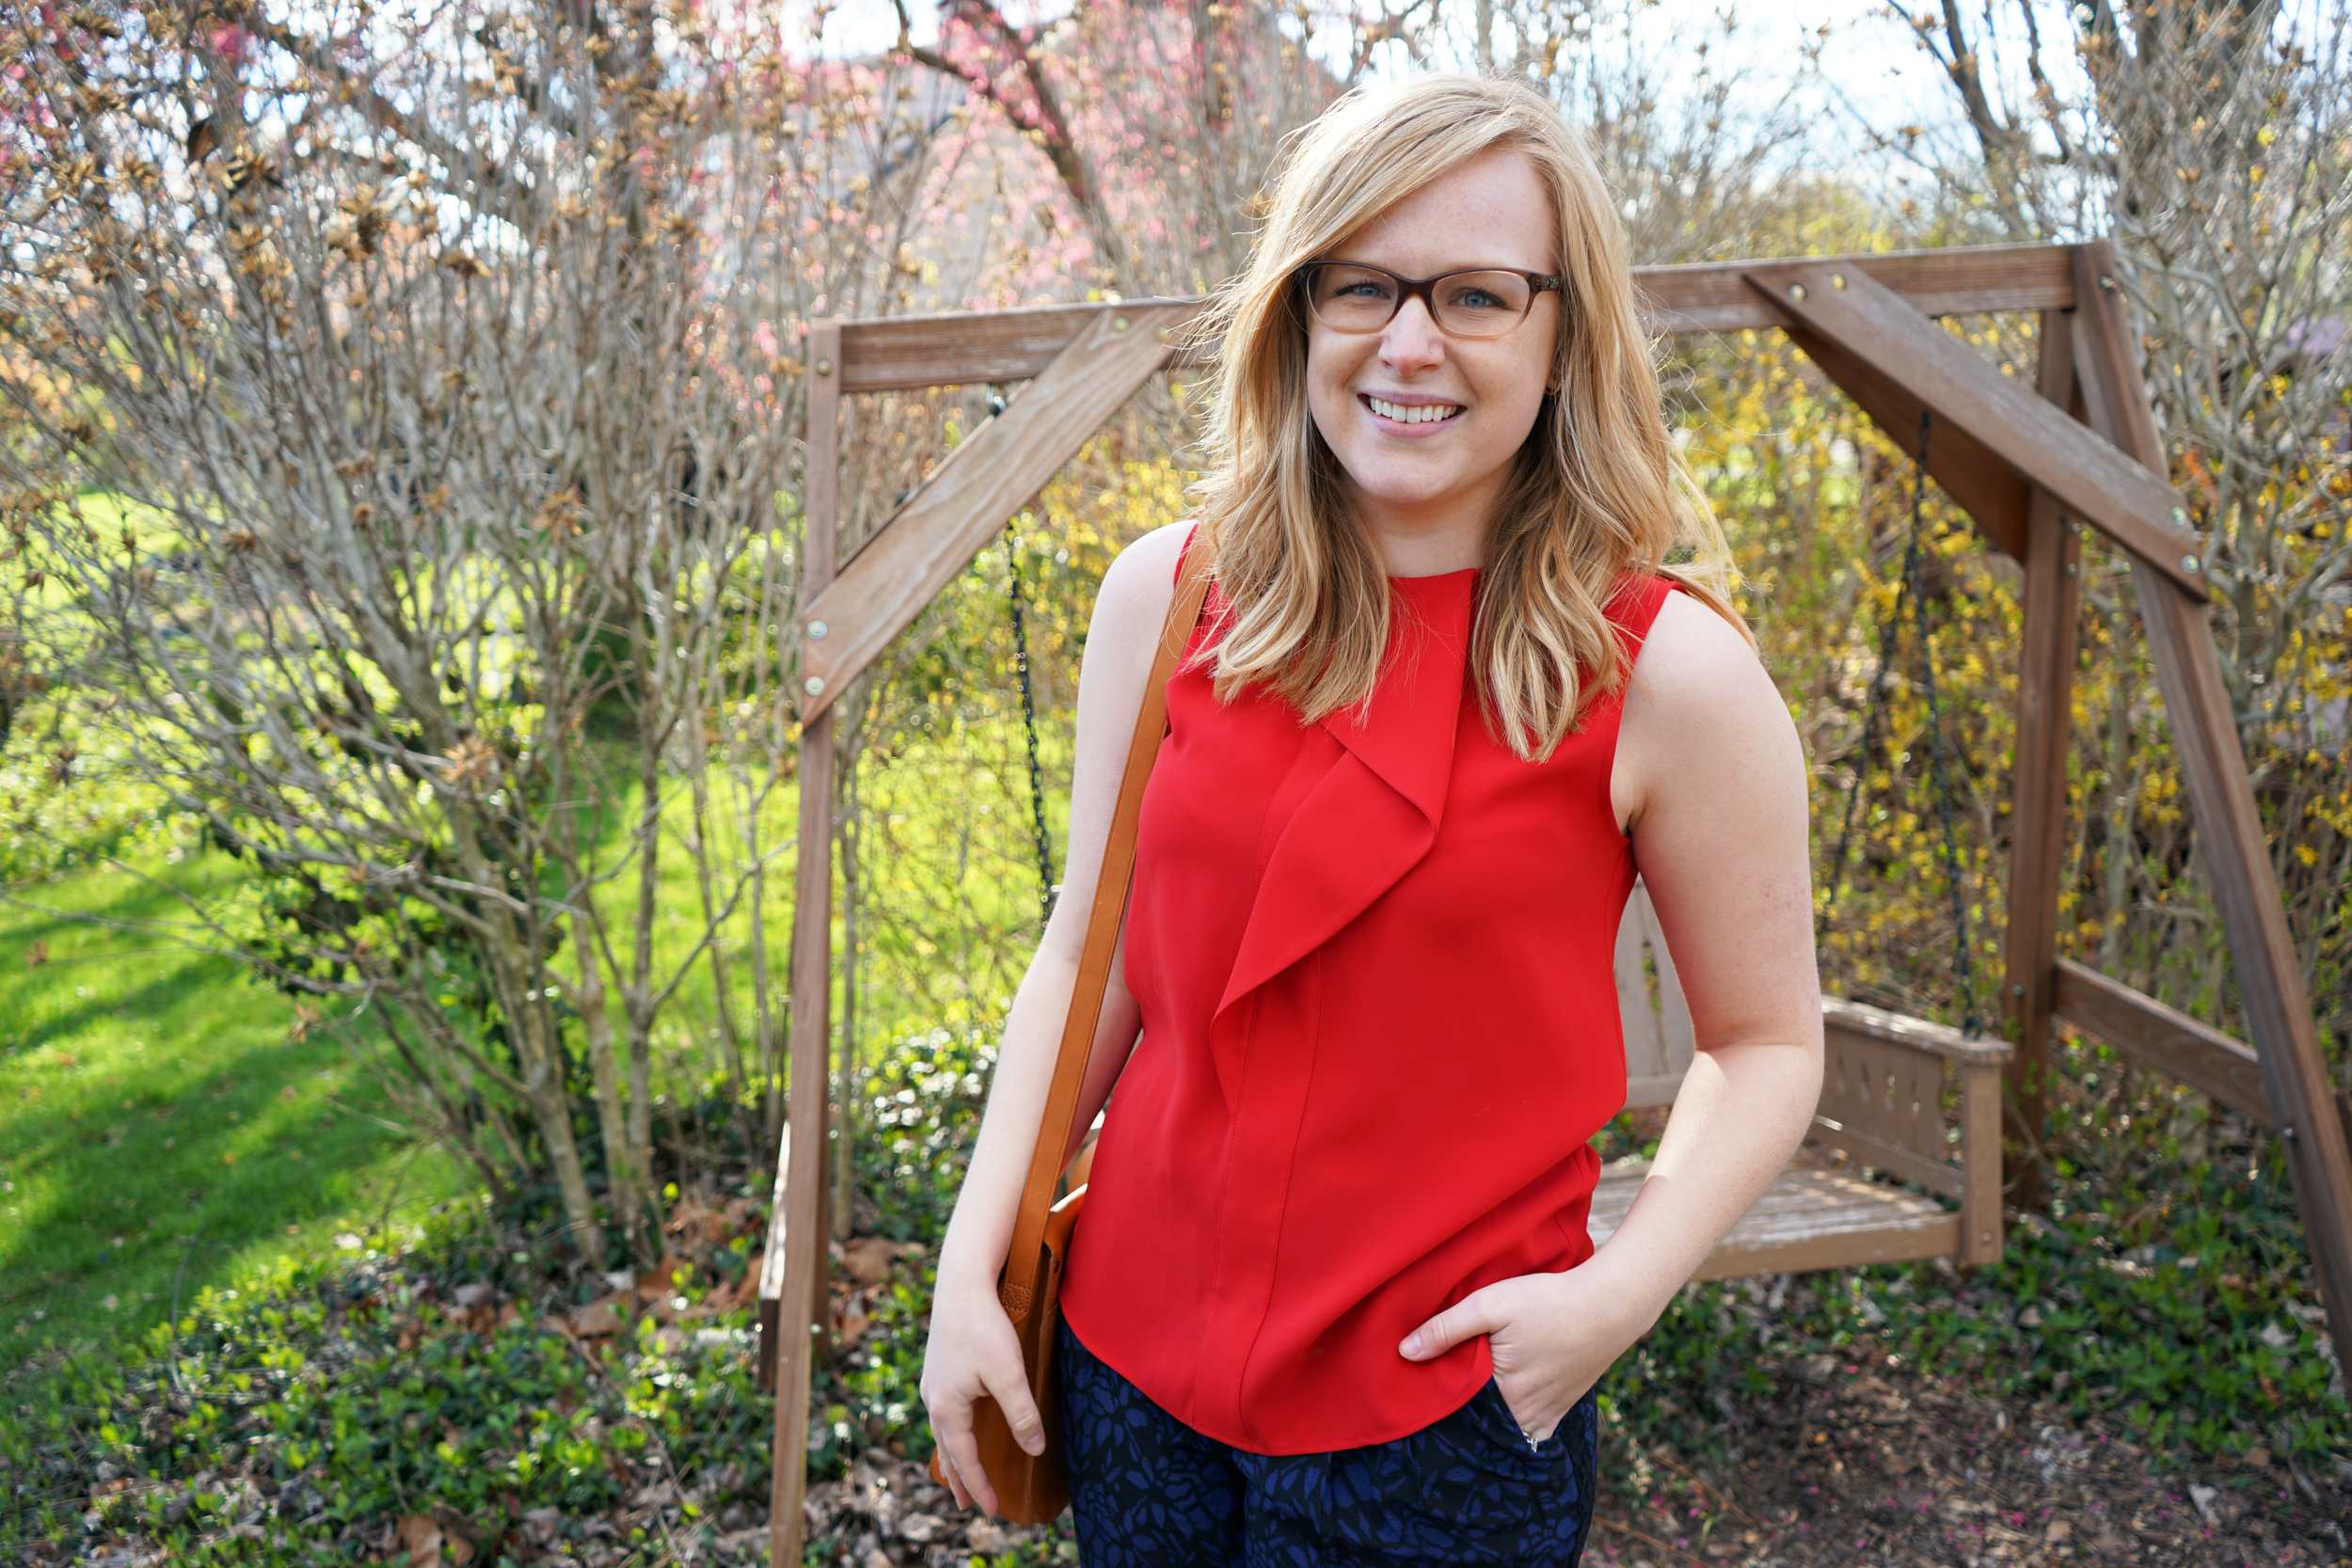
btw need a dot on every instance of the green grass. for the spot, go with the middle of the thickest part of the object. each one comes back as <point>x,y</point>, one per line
<point>165,1125</point>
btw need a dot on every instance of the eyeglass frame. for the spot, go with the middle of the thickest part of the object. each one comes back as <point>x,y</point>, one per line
<point>1424,289</point>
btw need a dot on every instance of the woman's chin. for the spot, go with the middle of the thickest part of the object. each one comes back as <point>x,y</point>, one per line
<point>1408,493</point>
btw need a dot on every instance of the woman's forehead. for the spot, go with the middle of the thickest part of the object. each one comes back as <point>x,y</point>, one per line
<point>1491,211</point>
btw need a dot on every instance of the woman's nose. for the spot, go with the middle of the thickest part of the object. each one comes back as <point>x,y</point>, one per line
<point>1411,343</point>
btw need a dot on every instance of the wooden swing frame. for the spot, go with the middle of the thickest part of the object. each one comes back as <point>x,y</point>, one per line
<point>2026,467</point>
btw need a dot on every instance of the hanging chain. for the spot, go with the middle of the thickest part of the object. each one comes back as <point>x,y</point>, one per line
<point>1046,891</point>
<point>1872,706</point>
<point>1912,592</point>
<point>1914,574</point>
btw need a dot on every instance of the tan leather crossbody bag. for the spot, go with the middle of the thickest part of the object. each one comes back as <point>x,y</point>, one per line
<point>1033,1489</point>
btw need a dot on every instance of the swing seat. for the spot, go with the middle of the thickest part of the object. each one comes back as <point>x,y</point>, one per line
<point>1902,1162</point>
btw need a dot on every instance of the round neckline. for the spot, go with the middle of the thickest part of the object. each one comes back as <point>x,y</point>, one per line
<point>1438,577</point>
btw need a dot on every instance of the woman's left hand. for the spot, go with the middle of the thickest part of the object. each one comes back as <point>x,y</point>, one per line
<point>1552,1334</point>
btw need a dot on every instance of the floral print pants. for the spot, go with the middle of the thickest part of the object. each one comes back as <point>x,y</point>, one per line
<point>1149,1492</point>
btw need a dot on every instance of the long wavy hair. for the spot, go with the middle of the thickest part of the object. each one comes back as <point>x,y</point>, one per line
<point>1598,490</point>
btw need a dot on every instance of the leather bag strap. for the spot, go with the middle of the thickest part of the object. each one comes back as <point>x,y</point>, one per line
<point>1025,1262</point>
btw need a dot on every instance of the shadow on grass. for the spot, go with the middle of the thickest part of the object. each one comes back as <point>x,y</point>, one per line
<point>162,1124</point>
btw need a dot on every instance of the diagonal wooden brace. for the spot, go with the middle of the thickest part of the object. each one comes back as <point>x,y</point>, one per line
<point>2304,1104</point>
<point>1986,488</point>
<point>2089,476</point>
<point>991,476</point>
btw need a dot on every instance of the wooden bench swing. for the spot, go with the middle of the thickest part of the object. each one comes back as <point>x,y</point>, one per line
<point>1912,1114</point>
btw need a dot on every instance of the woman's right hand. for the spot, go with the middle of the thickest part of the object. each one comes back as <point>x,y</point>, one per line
<point>973,1352</point>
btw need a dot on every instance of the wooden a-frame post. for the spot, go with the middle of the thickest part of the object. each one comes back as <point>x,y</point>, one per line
<point>2028,467</point>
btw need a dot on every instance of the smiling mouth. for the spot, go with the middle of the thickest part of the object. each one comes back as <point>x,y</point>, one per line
<point>1413,413</point>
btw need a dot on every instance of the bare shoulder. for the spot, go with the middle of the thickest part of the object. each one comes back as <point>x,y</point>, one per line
<point>1136,594</point>
<point>1697,668</point>
<point>1701,717</point>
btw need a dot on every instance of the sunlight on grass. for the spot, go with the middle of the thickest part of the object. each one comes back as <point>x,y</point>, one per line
<point>164,1122</point>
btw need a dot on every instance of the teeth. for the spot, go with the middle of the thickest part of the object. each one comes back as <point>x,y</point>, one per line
<point>1414,413</point>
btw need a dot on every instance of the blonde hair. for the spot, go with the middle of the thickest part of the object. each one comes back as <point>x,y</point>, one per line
<point>1600,489</point>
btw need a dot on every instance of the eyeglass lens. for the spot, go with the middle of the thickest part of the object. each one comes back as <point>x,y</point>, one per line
<point>1468,303</point>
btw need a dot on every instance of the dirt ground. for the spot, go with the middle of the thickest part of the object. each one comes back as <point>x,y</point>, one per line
<point>1884,1466</point>
<point>1856,1466</point>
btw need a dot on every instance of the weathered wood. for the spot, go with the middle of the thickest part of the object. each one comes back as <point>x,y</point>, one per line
<point>2195,1052</point>
<point>1651,1090</point>
<point>1866,1022</point>
<point>1637,1013</point>
<point>771,1272</point>
<point>2230,835</point>
<point>1986,488</point>
<point>1806,1219</point>
<point>1981,1163</point>
<point>2045,683</point>
<point>1655,1014</point>
<point>2106,368</point>
<point>2088,476</point>
<point>1956,281</point>
<point>900,353</point>
<point>801,1155</point>
<point>1883,1105</point>
<point>996,471</point>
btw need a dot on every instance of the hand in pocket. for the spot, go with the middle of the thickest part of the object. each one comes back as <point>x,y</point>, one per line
<point>1551,1336</point>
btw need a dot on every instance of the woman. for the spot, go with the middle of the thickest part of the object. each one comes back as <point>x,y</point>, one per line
<point>1331,1298</point>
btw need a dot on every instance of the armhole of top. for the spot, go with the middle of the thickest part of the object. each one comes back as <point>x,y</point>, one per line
<point>1212,604</point>
<point>1634,611</point>
<point>1191,536</point>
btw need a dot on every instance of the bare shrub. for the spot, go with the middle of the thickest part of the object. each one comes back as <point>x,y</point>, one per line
<point>439,381</point>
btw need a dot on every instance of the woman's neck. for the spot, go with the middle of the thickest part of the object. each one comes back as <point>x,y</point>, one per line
<point>1417,547</point>
<point>1425,541</point>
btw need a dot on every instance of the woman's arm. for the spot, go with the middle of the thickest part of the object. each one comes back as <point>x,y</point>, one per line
<point>972,1349</point>
<point>1709,782</point>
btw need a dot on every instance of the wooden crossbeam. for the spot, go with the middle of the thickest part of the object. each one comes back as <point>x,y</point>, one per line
<point>900,352</point>
<point>1963,280</point>
<point>993,474</point>
<point>2089,477</point>
<point>2197,1053</point>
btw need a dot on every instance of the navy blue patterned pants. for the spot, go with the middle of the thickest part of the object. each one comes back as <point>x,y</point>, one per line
<point>1149,1492</point>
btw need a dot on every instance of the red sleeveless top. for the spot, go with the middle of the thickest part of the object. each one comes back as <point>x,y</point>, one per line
<point>1374,958</point>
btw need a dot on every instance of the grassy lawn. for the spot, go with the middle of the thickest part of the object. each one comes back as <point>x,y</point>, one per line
<point>165,1122</point>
